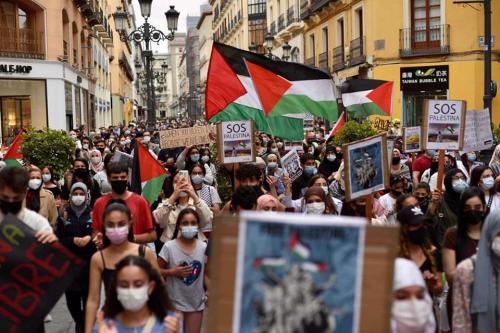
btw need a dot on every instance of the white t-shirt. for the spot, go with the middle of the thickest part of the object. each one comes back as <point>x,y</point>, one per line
<point>32,219</point>
<point>388,202</point>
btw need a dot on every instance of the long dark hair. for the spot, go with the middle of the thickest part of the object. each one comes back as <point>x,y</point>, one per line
<point>88,180</point>
<point>116,205</point>
<point>475,177</point>
<point>181,215</point>
<point>462,226</point>
<point>158,302</point>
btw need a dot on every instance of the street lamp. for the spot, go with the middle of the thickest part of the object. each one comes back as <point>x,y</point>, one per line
<point>268,43</point>
<point>286,51</point>
<point>147,33</point>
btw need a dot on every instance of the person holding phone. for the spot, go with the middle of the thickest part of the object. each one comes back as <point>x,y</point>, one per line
<point>184,196</point>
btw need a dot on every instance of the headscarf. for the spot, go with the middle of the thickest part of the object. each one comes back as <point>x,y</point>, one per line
<point>451,197</point>
<point>326,167</point>
<point>406,274</point>
<point>485,297</point>
<point>495,161</point>
<point>263,200</point>
<point>79,209</point>
<point>96,167</point>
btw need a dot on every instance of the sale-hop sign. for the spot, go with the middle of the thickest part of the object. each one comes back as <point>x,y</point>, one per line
<point>236,141</point>
<point>444,123</point>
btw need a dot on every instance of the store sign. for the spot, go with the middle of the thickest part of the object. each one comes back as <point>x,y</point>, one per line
<point>427,78</point>
<point>19,69</point>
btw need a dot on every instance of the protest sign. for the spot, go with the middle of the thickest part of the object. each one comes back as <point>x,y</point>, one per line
<point>33,276</point>
<point>308,122</point>
<point>310,267</point>
<point>380,123</point>
<point>366,166</point>
<point>289,145</point>
<point>291,164</point>
<point>412,139</point>
<point>443,124</point>
<point>477,133</point>
<point>380,247</point>
<point>185,137</point>
<point>235,141</point>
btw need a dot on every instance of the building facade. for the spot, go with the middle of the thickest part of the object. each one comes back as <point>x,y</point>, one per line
<point>429,48</point>
<point>193,67</point>
<point>47,63</point>
<point>204,27</point>
<point>176,49</point>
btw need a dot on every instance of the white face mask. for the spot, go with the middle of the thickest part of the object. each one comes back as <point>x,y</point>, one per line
<point>325,189</point>
<point>411,315</point>
<point>34,184</point>
<point>85,146</point>
<point>495,246</point>
<point>78,200</point>
<point>96,160</point>
<point>315,208</point>
<point>46,178</point>
<point>133,299</point>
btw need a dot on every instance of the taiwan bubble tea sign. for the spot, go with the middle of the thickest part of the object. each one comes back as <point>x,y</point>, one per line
<point>444,123</point>
<point>235,140</point>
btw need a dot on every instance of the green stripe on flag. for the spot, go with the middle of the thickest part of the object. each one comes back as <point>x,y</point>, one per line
<point>364,110</point>
<point>12,162</point>
<point>151,189</point>
<point>304,104</point>
<point>283,127</point>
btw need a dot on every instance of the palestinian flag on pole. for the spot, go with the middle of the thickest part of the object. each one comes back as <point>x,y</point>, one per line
<point>338,126</point>
<point>148,174</point>
<point>363,98</point>
<point>275,94</point>
<point>13,156</point>
<point>298,249</point>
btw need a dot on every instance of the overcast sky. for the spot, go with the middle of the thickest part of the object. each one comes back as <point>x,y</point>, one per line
<point>159,7</point>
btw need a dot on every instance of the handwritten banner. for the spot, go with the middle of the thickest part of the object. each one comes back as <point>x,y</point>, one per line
<point>477,133</point>
<point>185,137</point>
<point>33,276</point>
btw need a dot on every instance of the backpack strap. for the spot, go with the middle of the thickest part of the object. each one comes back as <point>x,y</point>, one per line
<point>142,251</point>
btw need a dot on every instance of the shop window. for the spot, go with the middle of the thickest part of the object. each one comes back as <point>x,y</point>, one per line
<point>414,104</point>
<point>68,96</point>
<point>16,115</point>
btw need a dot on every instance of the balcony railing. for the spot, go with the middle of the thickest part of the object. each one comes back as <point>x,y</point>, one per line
<point>357,53</point>
<point>304,9</point>
<point>422,42</point>
<point>291,16</point>
<point>96,20</point>
<point>281,22</point>
<point>272,28</point>
<point>80,3</point>
<point>338,58</point>
<point>318,4</point>
<point>23,43</point>
<point>311,62</point>
<point>323,61</point>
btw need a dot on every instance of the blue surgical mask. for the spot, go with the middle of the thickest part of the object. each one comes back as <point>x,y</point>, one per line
<point>488,183</point>
<point>189,232</point>
<point>431,152</point>
<point>459,185</point>
<point>272,165</point>
<point>205,158</point>
<point>331,157</point>
<point>471,157</point>
<point>195,158</point>
<point>310,170</point>
<point>197,179</point>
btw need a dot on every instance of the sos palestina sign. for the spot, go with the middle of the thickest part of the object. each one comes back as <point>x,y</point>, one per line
<point>444,123</point>
<point>236,141</point>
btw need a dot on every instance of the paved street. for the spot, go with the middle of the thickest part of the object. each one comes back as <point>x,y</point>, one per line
<point>61,319</point>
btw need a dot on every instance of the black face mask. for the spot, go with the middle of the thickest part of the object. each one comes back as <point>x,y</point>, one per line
<point>11,207</point>
<point>423,201</point>
<point>101,150</point>
<point>396,160</point>
<point>418,236</point>
<point>80,173</point>
<point>119,186</point>
<point>473,216</point>
<point>396,193</point>
<point>434,165</point>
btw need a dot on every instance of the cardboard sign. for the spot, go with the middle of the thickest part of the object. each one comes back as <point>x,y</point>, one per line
<point>444,124</point>
<point>308,266</point>
<point>308,122</point>
<point>291,164</point>
<point>366,166</point>
<point>380,248</point>
<point>412,139</point>
<point>380,123</point>
<point>235,141</point>
<point>477,133</point>
<point>33,276</point>
<point>185,137</point>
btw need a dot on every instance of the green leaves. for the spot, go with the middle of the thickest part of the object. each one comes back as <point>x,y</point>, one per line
<point>353,131</point>
<point>49,148</point>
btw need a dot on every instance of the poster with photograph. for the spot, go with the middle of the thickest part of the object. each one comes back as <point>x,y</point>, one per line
<point>477,132</point>
<point>236,142</point>
<point>366,166</point>
<point>444,124</point>
<point>298,273</point>
<point>412,139</point>
<point>291,164</point>
<point>308,122</point>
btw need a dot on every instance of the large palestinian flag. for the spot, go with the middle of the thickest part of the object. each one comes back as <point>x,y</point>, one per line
<point>148,174</point>
<point>275,94</point>
<point>362,98</point>
<point>13,156</point>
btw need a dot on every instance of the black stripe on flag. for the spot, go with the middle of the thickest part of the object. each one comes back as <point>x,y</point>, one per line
<point>355,85</point>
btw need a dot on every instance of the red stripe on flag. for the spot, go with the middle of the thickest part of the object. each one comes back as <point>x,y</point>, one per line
<point>13,152</point>
<point>338,126</point>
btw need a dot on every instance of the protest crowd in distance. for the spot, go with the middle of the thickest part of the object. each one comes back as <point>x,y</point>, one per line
<point>126,234</point>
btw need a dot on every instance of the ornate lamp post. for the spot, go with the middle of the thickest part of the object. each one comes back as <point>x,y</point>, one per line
<point>147,33</point>
<point>286,51</point>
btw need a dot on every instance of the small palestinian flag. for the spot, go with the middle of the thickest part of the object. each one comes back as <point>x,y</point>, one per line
<point>298,249</point>
<point>338,126</point>
<point>13,156</point>
<point>275,94</point>
<point>148,174</point>
<point>363,98</point>
<point>313,267</point>
<point>269,262</point>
